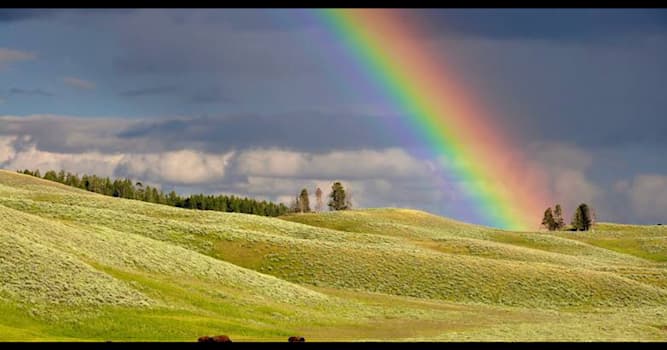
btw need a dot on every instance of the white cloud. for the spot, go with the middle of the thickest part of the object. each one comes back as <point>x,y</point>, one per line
<point>92,162</point>
<point>179,167</point>
<point>176,167</point>
<point>373,178</point>
<point>7,151</point>
<point>362,164</point>
<point>8,56</point>
<point>79,83</point>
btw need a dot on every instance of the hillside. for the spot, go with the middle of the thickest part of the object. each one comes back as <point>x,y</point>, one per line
<point>81,266</point>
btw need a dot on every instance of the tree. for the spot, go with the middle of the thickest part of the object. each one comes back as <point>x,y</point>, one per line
<point>558,217</point>
<point>61,176</point>
<point>304,203</point>
<point>582,220</point>
<point>125,188</point>
<point>140,191</point>
<point>548,220</point>
<point>337,197</point>
<point>51,176</point>
<point>318,197</point>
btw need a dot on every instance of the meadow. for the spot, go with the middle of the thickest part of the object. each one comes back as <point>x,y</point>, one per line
<point>79,266</point>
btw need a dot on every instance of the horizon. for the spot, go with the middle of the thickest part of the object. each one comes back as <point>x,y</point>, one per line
<point>324,211</point>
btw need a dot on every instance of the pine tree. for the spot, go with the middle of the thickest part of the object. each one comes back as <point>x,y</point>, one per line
<point>548,220</point>
<point>558,217</point>
<point>304,202</point>
<point>337,195</point>
<point>582,219</point>
<point>61,176</point>
<point>125,188</point>
<point>51,176</point>
<point>576,220</point>
<point>586,218</point>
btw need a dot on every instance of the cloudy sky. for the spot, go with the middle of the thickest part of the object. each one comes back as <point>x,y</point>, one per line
<point>254,102</point>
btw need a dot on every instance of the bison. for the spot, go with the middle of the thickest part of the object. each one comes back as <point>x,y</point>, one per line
<point>295,339</point>
<point>221,339</point>
<point>214,339</point>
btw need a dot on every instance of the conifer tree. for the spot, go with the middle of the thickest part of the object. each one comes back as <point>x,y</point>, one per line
<point>582,219</point>
<point>558,217</point>
<point>337,197</point>
<point>304,203</point>
<point>51,176</point>
<point>61,176</point>
<point>548,220</point>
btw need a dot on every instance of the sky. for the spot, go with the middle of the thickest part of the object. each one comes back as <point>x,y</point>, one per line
<point>259,103</point>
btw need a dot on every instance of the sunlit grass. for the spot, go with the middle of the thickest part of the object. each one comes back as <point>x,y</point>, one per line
<point>81,266</point>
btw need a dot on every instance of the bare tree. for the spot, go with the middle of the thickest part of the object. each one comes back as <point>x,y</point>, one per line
<point>319,204</point>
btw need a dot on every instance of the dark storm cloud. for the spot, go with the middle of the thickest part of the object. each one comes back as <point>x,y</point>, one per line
<point>67,134</point>
<point>546,24</point>
<point>151,91</point>
<point>299,131</point>
<point>209,95</point>
<point>263,19</point>
<point>11,15</point>
<point>200,95</point>
<point>311,132</point>
<point>15,15</point>
<point>218,41</point>
<point>33,92</point>
<point>592,96</point>
<point>154,128</point>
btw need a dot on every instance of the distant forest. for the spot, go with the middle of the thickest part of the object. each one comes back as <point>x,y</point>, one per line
<point>126,188</point>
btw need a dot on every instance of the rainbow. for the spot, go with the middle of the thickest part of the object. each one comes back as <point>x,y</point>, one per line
<point>478,153</point>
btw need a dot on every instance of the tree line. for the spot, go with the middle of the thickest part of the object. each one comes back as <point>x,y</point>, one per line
<point>338,200</point>
<point>582,219</point>
<point>126,188</point>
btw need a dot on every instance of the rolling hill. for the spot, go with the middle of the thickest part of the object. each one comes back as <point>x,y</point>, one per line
<point>76,265</point>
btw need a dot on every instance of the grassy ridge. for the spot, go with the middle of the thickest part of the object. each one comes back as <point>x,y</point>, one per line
<point>77,265</point>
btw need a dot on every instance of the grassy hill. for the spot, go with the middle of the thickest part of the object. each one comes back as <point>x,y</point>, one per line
<point>75,265</point>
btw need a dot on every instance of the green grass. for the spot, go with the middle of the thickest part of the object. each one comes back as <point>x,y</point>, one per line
<point>80,266</point>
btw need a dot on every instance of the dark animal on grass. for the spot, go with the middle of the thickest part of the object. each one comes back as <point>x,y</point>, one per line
<point>294,339</point>
<point>221,339</point>
<point>214,339</point>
